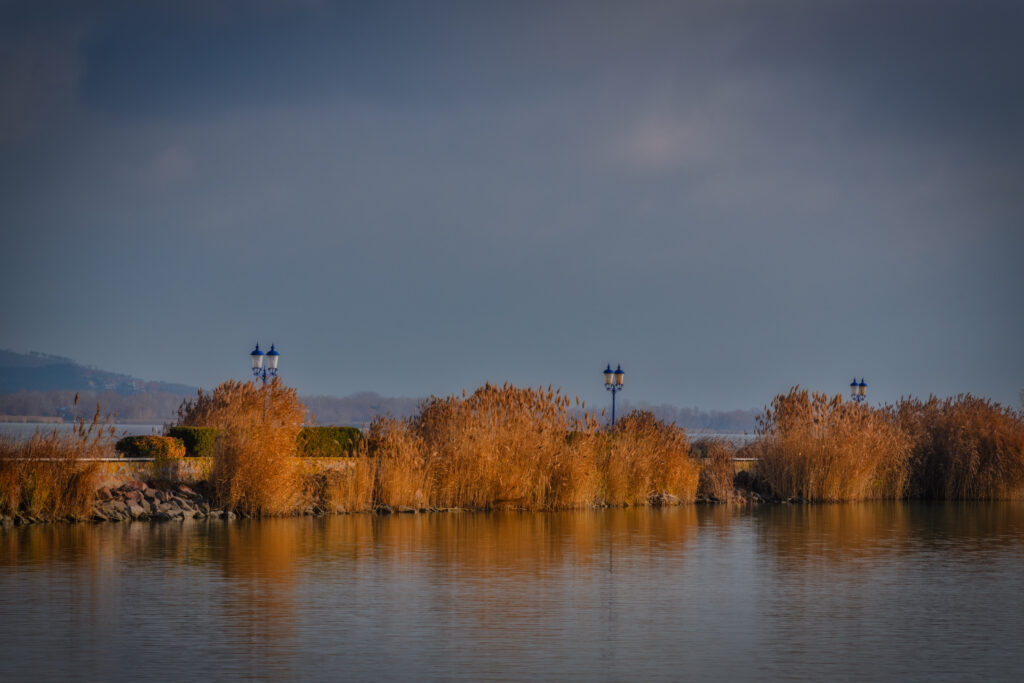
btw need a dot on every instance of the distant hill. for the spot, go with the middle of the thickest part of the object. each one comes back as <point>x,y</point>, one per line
<point>42,385</point>
<point>42,372</point>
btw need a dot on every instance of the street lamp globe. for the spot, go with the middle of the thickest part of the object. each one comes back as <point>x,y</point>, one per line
<point>620,376</point>
<point>609,376</point>
<point>257,358</point>
<point>272,356</point>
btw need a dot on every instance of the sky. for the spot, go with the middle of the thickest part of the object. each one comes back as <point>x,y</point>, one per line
<point>727,198</point>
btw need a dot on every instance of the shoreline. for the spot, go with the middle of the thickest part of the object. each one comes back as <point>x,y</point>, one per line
<point>164,501</point>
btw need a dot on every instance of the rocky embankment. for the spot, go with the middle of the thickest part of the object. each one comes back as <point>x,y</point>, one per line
<point>138,500</point>
<point>747,497</point>
<point>165,501</point>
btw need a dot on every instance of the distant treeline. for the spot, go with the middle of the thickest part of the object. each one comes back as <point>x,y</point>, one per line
<point>356,410</point>
<point>697,419</point>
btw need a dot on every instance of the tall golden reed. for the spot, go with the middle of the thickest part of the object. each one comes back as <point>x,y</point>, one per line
<point>48,475</point>
<point>717,471</point>
<point>254,468</point>
<point>964,448</point>
<point>645,456</point>
<point>524,448</point>
<point>823,448</point>
<point>347,489</point>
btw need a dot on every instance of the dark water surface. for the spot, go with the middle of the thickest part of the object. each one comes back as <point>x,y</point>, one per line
<point>828,592</point>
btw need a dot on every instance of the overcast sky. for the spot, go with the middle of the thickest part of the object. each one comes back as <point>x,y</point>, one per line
<point>726,197</point>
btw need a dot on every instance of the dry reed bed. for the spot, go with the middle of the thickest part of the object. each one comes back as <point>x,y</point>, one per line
<point>826,449</point>
<point>823,448</point>
<point>499,447</point>
<point>535,449</point>
<point>48,475</point>
<point>525,448</point>
<point>254,469</point>
<point>965,448</point>
<point>717,473</point>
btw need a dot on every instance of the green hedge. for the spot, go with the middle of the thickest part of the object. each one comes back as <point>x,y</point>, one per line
<point>329,442</point>
<point>198,440</point>
<point>150,447</point>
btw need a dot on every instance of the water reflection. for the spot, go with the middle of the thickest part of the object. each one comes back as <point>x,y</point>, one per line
<point>841,591</point>
<point>845,533</point>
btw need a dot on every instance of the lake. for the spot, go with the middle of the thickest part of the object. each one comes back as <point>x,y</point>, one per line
<point>894,591</point>
<point>22,431</point>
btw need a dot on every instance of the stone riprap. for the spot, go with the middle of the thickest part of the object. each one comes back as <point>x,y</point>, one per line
<point>166,501</point>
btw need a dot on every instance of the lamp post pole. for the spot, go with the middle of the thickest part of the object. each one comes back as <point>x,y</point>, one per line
<point>858,390</point>
<point>614,382</point>
<point>261,371</point>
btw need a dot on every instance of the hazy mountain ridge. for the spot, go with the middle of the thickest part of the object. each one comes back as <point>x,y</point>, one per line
<point>40,372</point>
<point>44,385</point>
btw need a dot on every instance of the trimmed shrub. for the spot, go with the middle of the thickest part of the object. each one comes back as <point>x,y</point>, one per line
<point>165,447</point>
<point>329,442</point>
<point>198,440</point>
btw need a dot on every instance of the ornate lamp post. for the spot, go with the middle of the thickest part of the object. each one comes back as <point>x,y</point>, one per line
<point>614,382</point>
<point>261,371</point>
<point>858,390</point>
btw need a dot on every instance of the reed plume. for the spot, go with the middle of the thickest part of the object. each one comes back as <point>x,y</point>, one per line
<point>823,448</point>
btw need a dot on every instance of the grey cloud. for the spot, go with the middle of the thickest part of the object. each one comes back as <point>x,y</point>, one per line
<point>726,197</point>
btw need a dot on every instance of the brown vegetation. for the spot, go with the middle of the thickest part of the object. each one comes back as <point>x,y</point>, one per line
<point>48,475</point>
<point>964,448</point>
<point>348,489</point>
<point>254,468</point>
<point>823,448</point>
<point>524,448</point>
<point>645,457</point>
<point>717,471</point>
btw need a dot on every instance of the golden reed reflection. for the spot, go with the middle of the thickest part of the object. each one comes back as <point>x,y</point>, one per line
<point>528,544</point>
<point>840,532</point>
<point>272,551</point>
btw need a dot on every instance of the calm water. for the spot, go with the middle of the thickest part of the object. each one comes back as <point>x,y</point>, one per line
<point>25,430</point>
<point>831,592</point>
